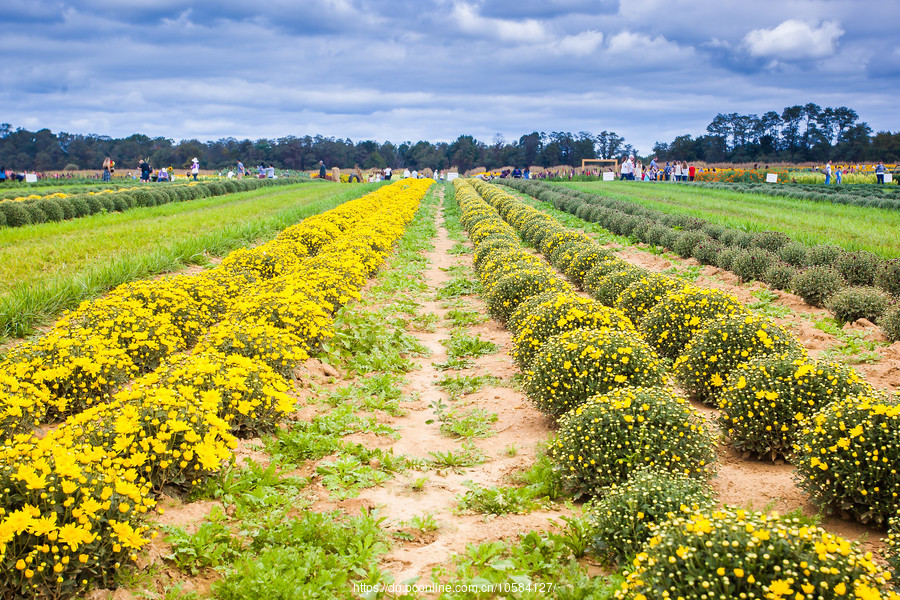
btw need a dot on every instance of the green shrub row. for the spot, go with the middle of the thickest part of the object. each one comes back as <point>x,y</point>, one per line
<point>768,403</point>
<point>814,273</point>
<point>44,210</point>
<point>877,196</point>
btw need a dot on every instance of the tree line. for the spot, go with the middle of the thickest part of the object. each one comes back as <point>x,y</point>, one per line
<point>797,134</point>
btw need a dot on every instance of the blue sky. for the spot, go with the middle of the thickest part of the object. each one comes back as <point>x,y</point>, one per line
<point>404,70</point>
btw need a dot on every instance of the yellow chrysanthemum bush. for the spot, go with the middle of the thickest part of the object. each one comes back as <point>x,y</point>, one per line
<point>847,457</point>
<point>172,435</point>
<point>70,514</point>
<point>602,267</point>
<point>766,400</point>
<point>892,544</point>
<point>563,255</point>
<point>263,262</point>
<point>675,319</point>
<point>605,439</point>
<point>573,366</point>
<point>584,261</point>
<point>281,350</point>
<point>723,344</point>
<point>503,261</point>
<point>561,311</point>
<point>558,238</point>
<point>608,288</point>
<point>309,236</point>
<point>253,397</point>
<point>76,367</point>
<point>511,289</point>
<point>644,293</point>
<point>620,520</point>
<point>299,310</point>
<point>22,404</point>
<point>731,553</point>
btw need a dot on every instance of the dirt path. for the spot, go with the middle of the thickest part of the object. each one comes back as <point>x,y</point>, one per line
<point>519,429</point>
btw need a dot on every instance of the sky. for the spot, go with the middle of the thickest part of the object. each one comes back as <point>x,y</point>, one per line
<point>410,70</point>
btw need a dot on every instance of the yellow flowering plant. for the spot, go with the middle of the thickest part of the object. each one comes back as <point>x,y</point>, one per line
<point>621,518</point>
<point>892,543</point>
<point>731,553</point>
<point>281,350</point>
<point>766,400</point>
<point>513,288</point>
<point>673,321</point>
<point>847,457</point>
<point>575,365</point>
<point>559,312</point>
<point>607,289</point>
<point>605,439</point>
<point>723,344</point>
<point>584,261</point>
<point>641,295</point>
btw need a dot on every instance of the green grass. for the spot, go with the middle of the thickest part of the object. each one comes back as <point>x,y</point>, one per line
<point>851,227</point>
<point>54,266</point>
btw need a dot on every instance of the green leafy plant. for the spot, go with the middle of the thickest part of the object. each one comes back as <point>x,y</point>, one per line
<point>858,302</point>
<point>212,545</point>
<point>817,284</point>
<point>463,345</point>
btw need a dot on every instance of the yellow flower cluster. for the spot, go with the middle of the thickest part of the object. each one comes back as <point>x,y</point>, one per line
<point>72,502</point>
<point>745,554</point>
<point>766,400</point>
<point>847,456</point>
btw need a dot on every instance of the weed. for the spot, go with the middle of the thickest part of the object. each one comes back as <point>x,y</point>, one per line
<point>459,248</point>
<point>462,317</point>
<point>467,424</point>
<point>852,346</point>
<point>418,484</point>
<point>764,306</point>
<point>461,345</point>
<point>457,386</point>
<point>511,450</point>
<point>469,456</point>
<point>458,286</point>
<point>454,364</point>
<point>496,500</point>
<point>689,273</point>
<point>424,523</point>
<point>211,546</point>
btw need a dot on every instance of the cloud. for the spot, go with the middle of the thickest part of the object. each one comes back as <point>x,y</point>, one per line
<point>580,44</point>
<point>794,40</point>
<point>526,31</point>
<point>646,49</point>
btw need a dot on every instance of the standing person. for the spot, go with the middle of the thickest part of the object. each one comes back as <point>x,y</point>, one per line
<point>406,173</point>
<point>145,169</point>
<point>322,170</point>
<point>692,171</point>
<point>638,170</point>
<point>107,168</point>
<point>387,173</point>
<point>195,168</point>
<point>879,172</point>
<point>828,173</point>
<point>678,171</point>
<point>838,173</point>
<point>240,170</point>
<point>667,172</point>
<point>2,174</point>
<point>270,172</point>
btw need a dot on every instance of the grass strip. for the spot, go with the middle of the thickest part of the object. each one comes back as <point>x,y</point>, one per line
<point>850,227</point>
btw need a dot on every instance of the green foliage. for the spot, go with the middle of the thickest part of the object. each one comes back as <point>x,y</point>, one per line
<point>576,365</point>
<point>766,400</point>
<point>673,321</point>
<point>794,254</point>
<point>497,500</point>
<point>890,323</point>
<point>706,252</point>
<point>858,268</point>
<point>467,423</point>
<point>609,436</point>
<point>15,214</point>
<point>462,345</point>
<point>468,456</point>
<point>621,519</point>
<point>822,255</point>
<point>779,275</point>
<point>858,302</point>
<point>888,276</point>
<point>772,241</point>
<point>461,317</point>
<point>750,264</point>
<point>315,555</point>
<point>892,553</point>
<point>817,284</point>
<point>365,342</point>
<point>688,241</point>
<point>212,545</point>
<point>725,343</point>
<point>458,386</point>
<point>847,456</point>
<point>726,256</point>
<point>732,553</point>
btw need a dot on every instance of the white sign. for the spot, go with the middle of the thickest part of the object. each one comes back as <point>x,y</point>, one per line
<point>452,176</point>
<point>888,177</point>
<point>30,177</point>
<point>609,176</point>
<point>771,177</point>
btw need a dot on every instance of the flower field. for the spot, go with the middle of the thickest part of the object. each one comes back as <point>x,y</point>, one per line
<point>440,390</point>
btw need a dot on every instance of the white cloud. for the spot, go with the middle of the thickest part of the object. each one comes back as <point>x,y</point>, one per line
<point>580,44</point>
<point>645,48</point>
<point>527,31</point>
<point>793,40</point>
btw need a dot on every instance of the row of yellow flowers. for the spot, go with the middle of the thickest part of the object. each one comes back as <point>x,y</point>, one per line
<point>72,503</point>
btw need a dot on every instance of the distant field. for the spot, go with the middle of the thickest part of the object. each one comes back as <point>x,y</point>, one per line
<point>851,227</point>
<point>52,266</point>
